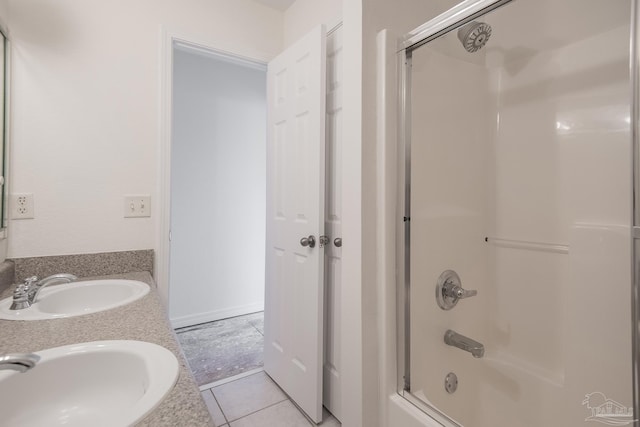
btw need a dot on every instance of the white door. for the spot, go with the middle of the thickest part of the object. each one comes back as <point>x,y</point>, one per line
<point>295,210</point>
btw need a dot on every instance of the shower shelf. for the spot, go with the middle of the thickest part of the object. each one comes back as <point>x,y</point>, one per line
<point>531,246</point>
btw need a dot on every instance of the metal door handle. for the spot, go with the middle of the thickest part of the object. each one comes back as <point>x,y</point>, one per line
<point>338,242</point>
<point>308,241</point>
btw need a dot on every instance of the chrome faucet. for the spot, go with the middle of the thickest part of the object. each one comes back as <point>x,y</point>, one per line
<point>465,343</point>
<point>18,362</point>
<point>26,293</point>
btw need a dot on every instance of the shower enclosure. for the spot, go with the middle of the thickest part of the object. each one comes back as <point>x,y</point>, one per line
<point>515,251</point>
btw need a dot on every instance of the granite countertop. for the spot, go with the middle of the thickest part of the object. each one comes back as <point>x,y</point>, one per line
<point>142,320</point>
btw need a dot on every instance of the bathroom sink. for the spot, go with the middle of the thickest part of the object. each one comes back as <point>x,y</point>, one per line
<point>101,383</point>
<point>76,299</point>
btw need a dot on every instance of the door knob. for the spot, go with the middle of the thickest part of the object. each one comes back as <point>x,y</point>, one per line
<point>338,242</point>
<point>308,241</point>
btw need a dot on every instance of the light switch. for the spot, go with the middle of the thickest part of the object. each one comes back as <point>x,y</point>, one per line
<point>137,206</point>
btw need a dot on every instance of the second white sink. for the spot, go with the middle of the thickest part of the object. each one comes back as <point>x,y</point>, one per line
<point>77,298</point>
<point>98,384</point>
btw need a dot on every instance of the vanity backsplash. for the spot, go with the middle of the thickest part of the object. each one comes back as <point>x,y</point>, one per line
<point>7,274</point>
<point>85,265</point>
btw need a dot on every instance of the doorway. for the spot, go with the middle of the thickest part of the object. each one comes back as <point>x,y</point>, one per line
<point>332,320</point>
<point>217,187</point>
<point>218,161</point>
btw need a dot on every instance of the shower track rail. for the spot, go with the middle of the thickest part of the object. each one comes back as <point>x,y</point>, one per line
<point>634,72</point>
<point>526,245</point>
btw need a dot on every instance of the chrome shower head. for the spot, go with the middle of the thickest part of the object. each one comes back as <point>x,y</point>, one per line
<point>474,35</point>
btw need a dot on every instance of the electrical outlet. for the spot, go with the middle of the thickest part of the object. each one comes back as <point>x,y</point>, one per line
<point>21,206</point>
<point>137,206</point>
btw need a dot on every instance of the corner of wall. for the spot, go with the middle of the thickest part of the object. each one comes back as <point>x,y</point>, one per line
<point>304,15</point>
<point>353,336</point>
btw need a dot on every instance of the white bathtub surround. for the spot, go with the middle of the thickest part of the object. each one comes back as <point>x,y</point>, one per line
<point>525,142</point>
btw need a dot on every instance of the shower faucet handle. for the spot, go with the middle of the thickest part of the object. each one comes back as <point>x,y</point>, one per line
<point>449,290</point>
<point>452,290</point>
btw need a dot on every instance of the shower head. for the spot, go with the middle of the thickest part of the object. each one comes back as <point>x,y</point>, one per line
<point>474,35</point>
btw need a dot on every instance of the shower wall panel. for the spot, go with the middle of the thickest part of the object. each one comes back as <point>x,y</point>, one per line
<point>452,128</point>
<point>520,182</point>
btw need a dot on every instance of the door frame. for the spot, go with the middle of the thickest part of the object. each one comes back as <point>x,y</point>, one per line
<point>351,341</point>
<point>163,204</point>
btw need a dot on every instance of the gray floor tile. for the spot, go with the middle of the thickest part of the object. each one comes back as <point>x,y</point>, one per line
<point>214,409</point>
<point>224,348</point>
<point>247,395</point>
<point>283,414</point>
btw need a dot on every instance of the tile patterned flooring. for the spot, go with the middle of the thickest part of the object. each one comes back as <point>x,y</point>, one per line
<point>256,401</point>
<point>226,359</point>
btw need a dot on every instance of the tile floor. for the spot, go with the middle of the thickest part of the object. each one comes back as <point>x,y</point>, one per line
<point>255,400</point>
<point>225,357</point>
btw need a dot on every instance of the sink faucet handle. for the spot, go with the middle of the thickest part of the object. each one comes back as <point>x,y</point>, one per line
<point>30,280</point>
<point>20,291</point>
<point>20,297</point>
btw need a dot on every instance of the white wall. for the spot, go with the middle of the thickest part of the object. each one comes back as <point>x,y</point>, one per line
<point>449,202</point>
<point>303,15</point>
<point>86,110</point>
<point>217,188</point>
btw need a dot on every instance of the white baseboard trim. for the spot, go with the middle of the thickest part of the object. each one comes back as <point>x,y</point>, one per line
<point>210,316</point>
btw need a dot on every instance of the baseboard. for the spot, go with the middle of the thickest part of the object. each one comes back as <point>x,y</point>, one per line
<point>210,316</point>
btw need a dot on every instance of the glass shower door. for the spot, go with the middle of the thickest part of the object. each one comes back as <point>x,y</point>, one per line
<point>520,189</point>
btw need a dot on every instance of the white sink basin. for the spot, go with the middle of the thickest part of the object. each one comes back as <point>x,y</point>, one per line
<point>101,383</point>
<point>76,299</point>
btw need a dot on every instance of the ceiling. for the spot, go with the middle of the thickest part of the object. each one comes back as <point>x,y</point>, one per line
<point>277,4</point>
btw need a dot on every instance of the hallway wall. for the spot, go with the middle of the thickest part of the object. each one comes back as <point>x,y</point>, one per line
<point>218,191</point>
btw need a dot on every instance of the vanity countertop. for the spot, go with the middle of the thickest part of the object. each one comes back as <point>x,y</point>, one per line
<point>142,320</point>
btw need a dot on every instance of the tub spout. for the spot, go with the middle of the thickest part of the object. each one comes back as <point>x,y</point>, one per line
<point>465,343</point>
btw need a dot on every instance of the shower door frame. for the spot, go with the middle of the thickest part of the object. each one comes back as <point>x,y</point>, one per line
<point>448,21</point>
<point>634,71</point>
